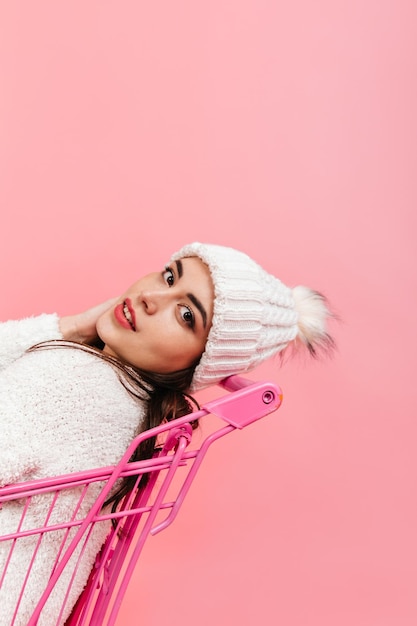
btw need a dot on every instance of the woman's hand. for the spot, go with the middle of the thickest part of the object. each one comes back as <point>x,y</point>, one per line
<point>82,326</point>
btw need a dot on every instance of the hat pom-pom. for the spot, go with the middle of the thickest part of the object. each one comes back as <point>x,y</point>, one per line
<point>313,316</point>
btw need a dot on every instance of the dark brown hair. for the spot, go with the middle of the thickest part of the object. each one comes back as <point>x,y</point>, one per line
<point>164,395</point>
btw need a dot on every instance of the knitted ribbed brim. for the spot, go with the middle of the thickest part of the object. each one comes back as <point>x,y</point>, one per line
<point>253,316</point>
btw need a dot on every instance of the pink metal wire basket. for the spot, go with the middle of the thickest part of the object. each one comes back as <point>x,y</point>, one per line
<point>145,511</point>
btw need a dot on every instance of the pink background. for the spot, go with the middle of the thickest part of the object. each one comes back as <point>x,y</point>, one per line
<point>287,130</point>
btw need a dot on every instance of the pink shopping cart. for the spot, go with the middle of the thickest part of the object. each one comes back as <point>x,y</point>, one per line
<point>145,510</point>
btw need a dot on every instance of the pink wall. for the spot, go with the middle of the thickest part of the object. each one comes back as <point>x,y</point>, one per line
<point>287,130</point>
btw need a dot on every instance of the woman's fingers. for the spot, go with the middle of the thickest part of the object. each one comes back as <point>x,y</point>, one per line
<point>82,326</point>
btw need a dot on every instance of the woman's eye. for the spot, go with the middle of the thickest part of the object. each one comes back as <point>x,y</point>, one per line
<point>168,276</point>
<point>187,315</point>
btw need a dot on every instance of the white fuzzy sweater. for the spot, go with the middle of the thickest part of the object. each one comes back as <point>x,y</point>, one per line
<point>61,410</point>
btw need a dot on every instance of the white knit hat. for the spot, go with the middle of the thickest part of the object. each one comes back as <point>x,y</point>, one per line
<point>254,314</point>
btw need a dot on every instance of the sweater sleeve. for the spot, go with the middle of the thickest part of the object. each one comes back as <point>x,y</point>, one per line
<point>16,336</point>
<point>62,410</point>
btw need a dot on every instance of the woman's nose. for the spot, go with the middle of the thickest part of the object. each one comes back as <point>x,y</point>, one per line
<point>153,300</point>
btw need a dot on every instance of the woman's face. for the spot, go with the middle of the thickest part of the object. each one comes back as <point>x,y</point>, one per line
<point>161,323</point>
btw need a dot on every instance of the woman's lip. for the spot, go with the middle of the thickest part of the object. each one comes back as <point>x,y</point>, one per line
<point>120,316</point>
<point>128,303</point>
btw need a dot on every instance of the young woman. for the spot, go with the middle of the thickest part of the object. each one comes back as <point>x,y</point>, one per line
<point>75,391</point>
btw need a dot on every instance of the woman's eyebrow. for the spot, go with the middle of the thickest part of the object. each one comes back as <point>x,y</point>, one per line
<point>199,306</point>
<point>191,296</point>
